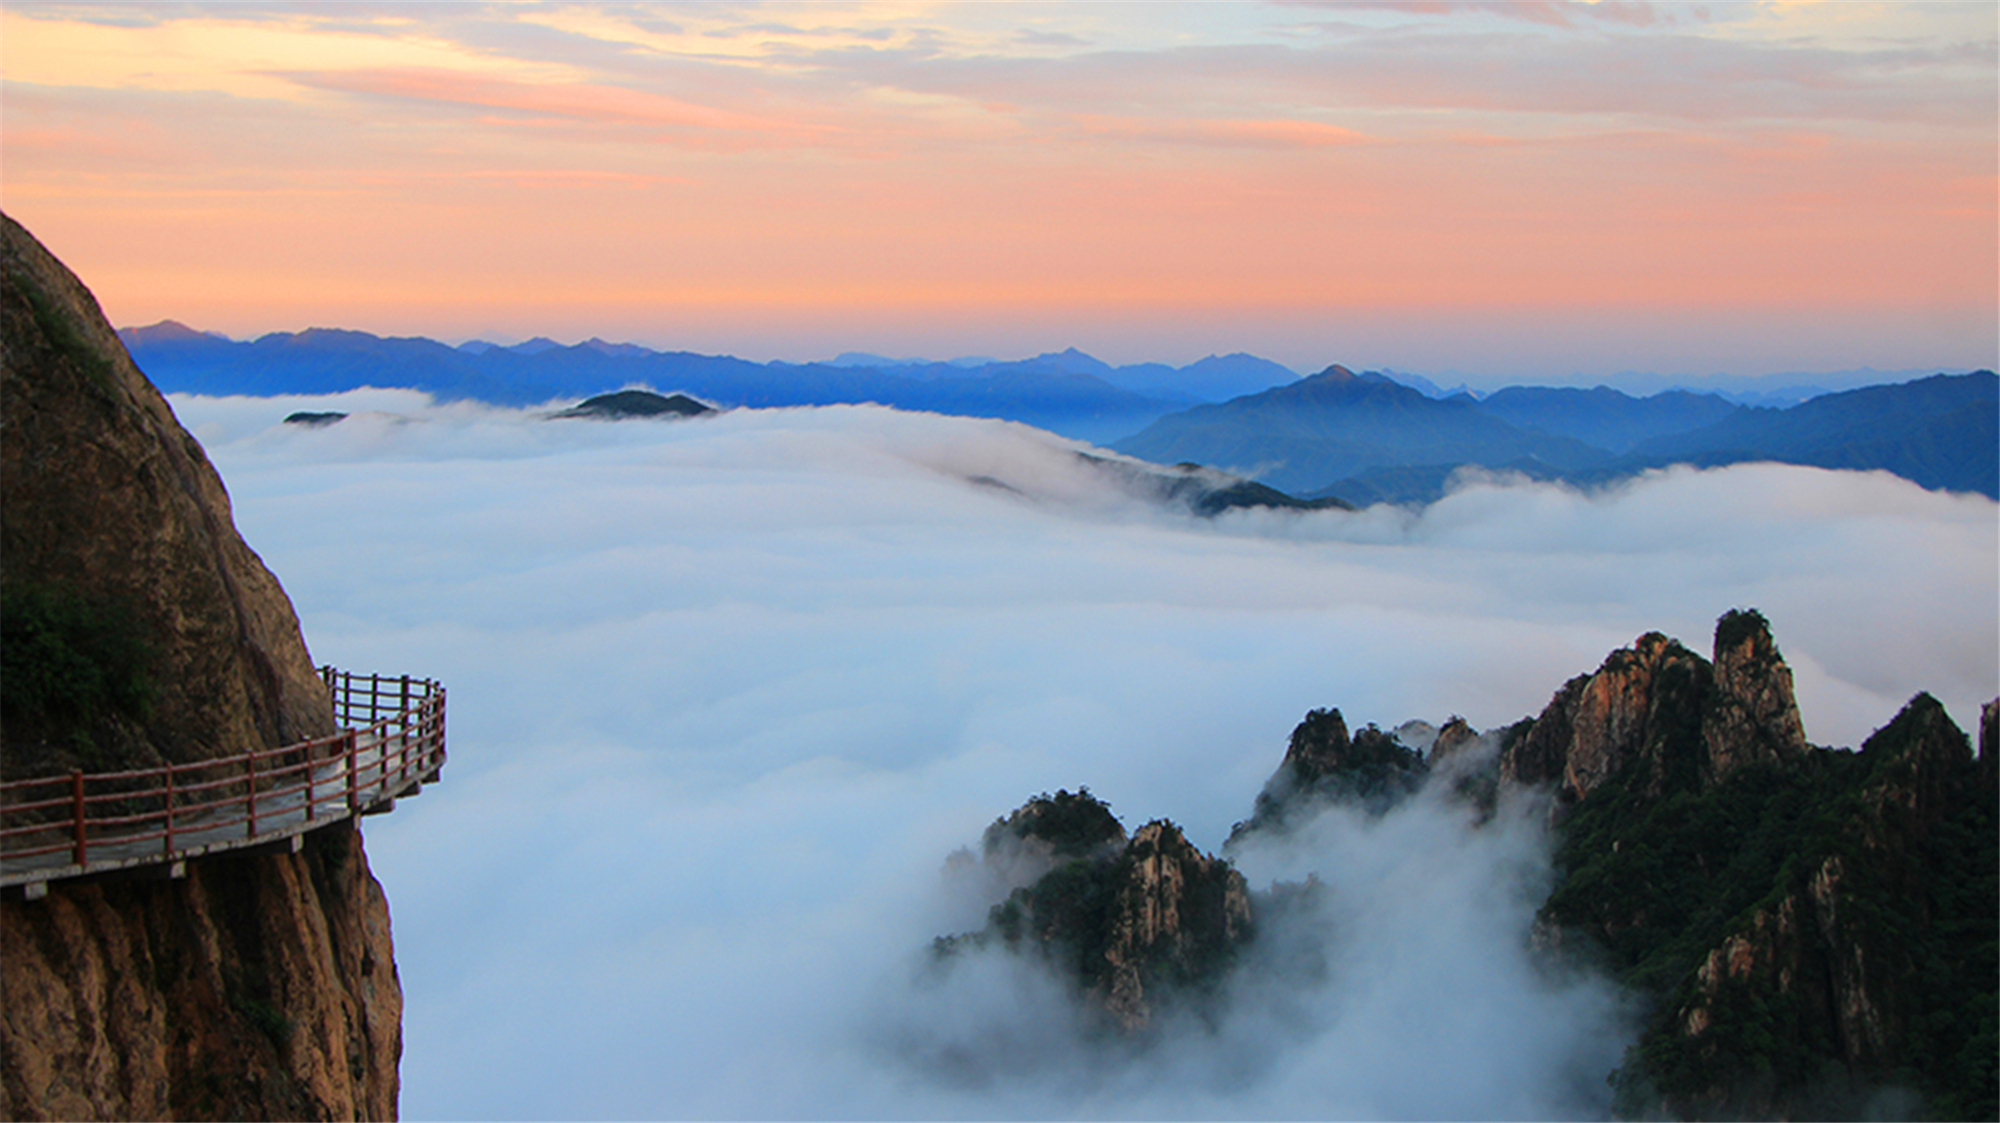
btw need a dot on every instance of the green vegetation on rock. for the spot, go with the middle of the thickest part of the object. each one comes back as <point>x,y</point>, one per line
<point>70,668</point>
<point>1809,933</point>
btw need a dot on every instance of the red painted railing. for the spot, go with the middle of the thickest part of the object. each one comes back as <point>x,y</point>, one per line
<point>391,742</point>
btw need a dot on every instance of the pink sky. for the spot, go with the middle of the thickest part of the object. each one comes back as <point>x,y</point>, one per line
<point>1534,190</point>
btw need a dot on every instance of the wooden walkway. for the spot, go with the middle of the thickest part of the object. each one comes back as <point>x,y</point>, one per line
<point>152,820</point>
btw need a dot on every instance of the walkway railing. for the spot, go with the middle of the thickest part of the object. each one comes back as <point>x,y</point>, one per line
<point>390,744</point>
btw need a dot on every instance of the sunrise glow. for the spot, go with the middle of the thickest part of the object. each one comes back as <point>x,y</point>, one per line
<point>1522,190</point>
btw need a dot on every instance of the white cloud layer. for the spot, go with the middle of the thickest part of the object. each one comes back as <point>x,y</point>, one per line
<point>725,693</point>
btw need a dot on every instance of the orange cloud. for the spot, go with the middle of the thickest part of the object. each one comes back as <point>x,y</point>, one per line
<point>1365,176</point>
<point>1265,133</point>
<point>571,102</point>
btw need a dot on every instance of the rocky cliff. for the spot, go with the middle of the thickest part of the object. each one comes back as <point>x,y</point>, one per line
<point>1136,923</point>
<point>263,986</point>
<point>1324,763</point>
<point>140,628</point>
<point>123,565</point>
<point>1814,928</point>
<point>1809,932</point>
<point>1816,935</point>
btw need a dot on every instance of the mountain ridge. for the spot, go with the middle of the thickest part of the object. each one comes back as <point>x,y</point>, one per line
<point>1360,438</point>
<point>1369,440</point>
<point>1066,392</point>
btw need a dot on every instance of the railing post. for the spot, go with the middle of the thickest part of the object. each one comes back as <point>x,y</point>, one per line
<point>81,848</point>
<point>250,767</point>
<point>353,801</point>
<point>403,722</point>
<point>167,844</point>
<point>309,782</point>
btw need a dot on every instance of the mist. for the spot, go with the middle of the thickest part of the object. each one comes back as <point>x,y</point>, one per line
<point>725,693</point>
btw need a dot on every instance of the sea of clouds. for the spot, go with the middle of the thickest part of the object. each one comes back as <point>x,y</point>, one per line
<point>725,693</point>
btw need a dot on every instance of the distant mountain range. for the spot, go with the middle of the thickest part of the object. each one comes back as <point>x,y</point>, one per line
<point>1359,438</point>
<point>1366,439</point>
<point>1069,392</point>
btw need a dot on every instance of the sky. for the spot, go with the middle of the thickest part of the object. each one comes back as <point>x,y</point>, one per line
<point>1534,191</point>
<point>725,694</point>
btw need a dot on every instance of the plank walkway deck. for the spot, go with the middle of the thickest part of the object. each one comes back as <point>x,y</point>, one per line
<point>78,824</point>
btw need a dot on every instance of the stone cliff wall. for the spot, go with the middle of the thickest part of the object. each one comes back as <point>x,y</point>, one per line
<point>109,507</point>
<point>261,987</point>
<point>140,629</point>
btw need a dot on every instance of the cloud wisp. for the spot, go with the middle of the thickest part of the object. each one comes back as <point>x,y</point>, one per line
<point>726,692</point>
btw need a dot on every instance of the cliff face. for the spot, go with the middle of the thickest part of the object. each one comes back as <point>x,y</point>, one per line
<point>1811,933</point>
<point>1682,720</point>
<point>261,987</point>
<point>1324,763</point>
<point>1176,917</point>
<point>1816,929</point>
<point>1137,923</point>
<point>117,534</point>
<point>140,628</point>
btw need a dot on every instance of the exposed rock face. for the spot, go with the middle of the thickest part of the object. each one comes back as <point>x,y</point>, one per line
<point>1790,908</point>
<point>1455,737</point>
<point>1817,926</point>
<point>1176,917</point>
<point>107,504</point>
<point>141,628</point>
<point>1753,717</point>
<point>1136,923</point>
<point>1643,705</point>
<point>1815,933</point>
<point>1685,721</point>
<point>1324,764</point>
<point>261,987</point>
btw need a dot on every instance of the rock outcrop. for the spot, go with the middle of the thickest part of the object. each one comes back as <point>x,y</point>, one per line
<point>1684,721</point>
<point>263,986</point>
<point>1136,924</point>
<point>139,628</point>
<point>1812,933</point>
<point>1752,717</point>
<point>117,533</point>
<point>1176,918</point>
<point>1454,738</point>
<point>1324,764</point>
<point>1815,927</point>
<point>1829,941</point>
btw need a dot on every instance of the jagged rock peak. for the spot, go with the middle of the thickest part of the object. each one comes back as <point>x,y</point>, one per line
<point>1688,722</point>
<point>1755,718</point>
<point>1177,918</point>
<point>1455,737</point>
<point>1324,764</point>
<point>1834,930</point>
<point>1644,704</point>
<point>1321,749</point>
<point>1917,759</point>
<point>1069,825</point>
<point>1130,922</point>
